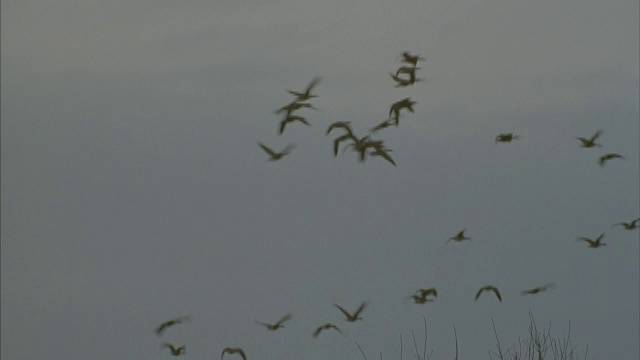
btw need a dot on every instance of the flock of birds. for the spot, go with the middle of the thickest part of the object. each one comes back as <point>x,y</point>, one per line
<point>365,146</point>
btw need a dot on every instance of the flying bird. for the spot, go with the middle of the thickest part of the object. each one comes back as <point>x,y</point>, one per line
<point>608,157</point>
<point>170,323</point>
<point>593,243</point>
<point>506,137</point>
<point>175,351</point>
<point>352,317</point>
<point>459,236</point>
<point>274,156</point>
<point>289,119</point>
<point>489,288</point>
<point>629,225</point>
<point>589,143</point>
<point>306,95</point>
<point>400,82</point>
<point>395,108</point>
<point>380,150</point>
<point>340,125</point>
<point>538,289</point>
<point>277,325</point>
<point>409,70</point>
<point>420,296</point>
<point>233,350</point>
<point>410,59</point>
<point>383,125</point>
<point>325,327</point>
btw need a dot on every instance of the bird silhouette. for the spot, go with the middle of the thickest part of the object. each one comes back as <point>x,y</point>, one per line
<point>409,70</point>
<point>306,95</point>
<point>277,325</point>
<point>489,288</point>
<point>538,289</point>
<point>609,156</point>
<point>233,350</point>
<point>420,296</point>
<point>380,150</point>
<point>593,243</point>
<point>325,327</point>
<point>383,125</point>
<point>291,107</point>
<point>352,317</point>
<point>160,329</point>
<point>629,225</point>
<point>395,108</point>
<point>459,236</point>
<point>274,156</point>
<point>289,119</point>
<point>506,137</point>
<point>175,351</point>
<point>589,143</point>
<point>408,58</point>
<point>400,82</point>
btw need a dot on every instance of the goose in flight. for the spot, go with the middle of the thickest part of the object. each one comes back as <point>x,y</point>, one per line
<point>489,288</point>
<point>629,225</point>
<point>589,143</point>
<point>274,156</point>
<point>506,137</point>
<point>325,327</point>
<point>410,59</point>
<point>380,150</point>
<point>593,243</point>
<point>609,156</point>
<point>395,108</point>
<point>409,70</point>
<point>420,296</point>
<point>170,323</point>
<point>459,236</point>
<point>340,125</point>
<point>538,289</point>
<point>277,325</point>
<point>356,315</point>
<point>175,351</point>
<point>289,119</point>
<point>233,350</point>
<point>306,95</point>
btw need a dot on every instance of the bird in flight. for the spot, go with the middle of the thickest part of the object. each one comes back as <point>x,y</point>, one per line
<point>506,137</point>
<point>356,315</point>
<point>489,288</point>
<point>289,119</point>
<point>274,156</point>
<point>589,143</point>
<point>175,351</point>
<point>380,150</point>
<point>629,225</point>
<point>400,82</point>
<point>410,59</point>
<point>409,70</point>
<point>306,95</point>
<point>420,296</point>
<point>277,325</point>
<point>593,243</point>
<point>383,125</point>
<point>608,157</point>
<point>459,236</point>
<point>538,289</point>
<point>170,323</point>
<point>395,108</point>
<point>233,350</point>
<point>325,327</point>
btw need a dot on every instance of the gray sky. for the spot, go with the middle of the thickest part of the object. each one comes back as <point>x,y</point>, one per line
<point>133,190</point>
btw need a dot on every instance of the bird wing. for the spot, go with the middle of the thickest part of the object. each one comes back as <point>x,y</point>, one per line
<point>284,318</point>
<point>312,84</point>
<point>595,136</point>
<point>360,308</point>
<point>478,293</point>
<point>599,237</point>
<point>288,149</point>
<point>283,124</point>
<point>318,330</point>
<point>385,155</point>
<point>267,150</point>
<point>345,312</point>
<point>495,290</point>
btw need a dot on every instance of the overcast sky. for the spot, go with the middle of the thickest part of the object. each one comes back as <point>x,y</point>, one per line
<point>134,191</point>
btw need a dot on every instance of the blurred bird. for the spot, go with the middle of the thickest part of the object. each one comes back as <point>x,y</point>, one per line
<point>608,157</point>
<point>289,119</point>
<point>170,323</point>
<point>232,350</point>
<point>629,225</point>
<point>459,236</point>
<point>355,316</point>
<point>325,327</point>
<point>306,95</point>
<point>340,125</point>
<point>539,289</point>
<point>277,325</point>
<point>383,125</point>
<point>175,351</point>
<point>420,296</point>
<point>274,156</point>
<point>395,108</point>
<point>291,107</point>
<point>400,82</point>
<point>593,243</point>
<point>410,59</point>
<point>588,143</point>
<point>380,150</point>
<point>506,137</point>
<point>489,288</point>
<point>409,70</point>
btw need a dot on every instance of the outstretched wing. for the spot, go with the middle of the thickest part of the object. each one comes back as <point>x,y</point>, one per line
<point>267,150</point>
<point>360,308</point>
<point>284,318</point>
<point>345,312</point>
<point>595,136</point>
<point>478,293</point>
<point>495,290</point>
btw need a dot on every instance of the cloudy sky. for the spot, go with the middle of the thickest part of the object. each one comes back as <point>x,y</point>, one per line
<point>133,189</point>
